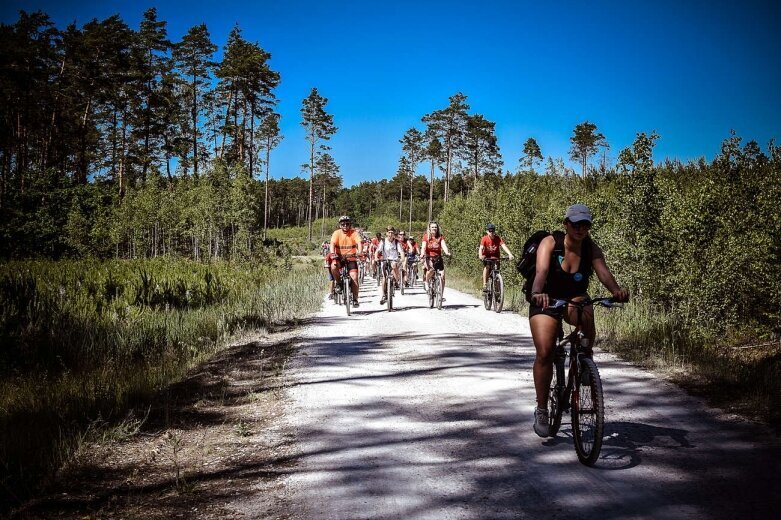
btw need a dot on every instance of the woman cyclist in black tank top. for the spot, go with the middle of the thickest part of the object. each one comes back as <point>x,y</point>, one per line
<point>571,258</point>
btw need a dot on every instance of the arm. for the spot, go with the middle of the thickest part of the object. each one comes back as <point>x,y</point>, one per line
<point>481,252</point>
<point>544,251</point>
<point>444,248</point>
<point>504,247</point>
<point>605,276</point>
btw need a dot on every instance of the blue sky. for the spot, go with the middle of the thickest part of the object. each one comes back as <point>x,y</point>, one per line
<point>691,70</point>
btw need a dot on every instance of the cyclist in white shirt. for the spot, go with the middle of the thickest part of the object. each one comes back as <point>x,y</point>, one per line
<point>391,250</point>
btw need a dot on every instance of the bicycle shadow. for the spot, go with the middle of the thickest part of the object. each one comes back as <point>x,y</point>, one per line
<point>624,442</point>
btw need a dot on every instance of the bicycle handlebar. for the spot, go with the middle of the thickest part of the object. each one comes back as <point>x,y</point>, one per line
<point>603,301</point>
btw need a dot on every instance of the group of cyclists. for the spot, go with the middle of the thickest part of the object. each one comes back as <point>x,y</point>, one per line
<point>565,262</point>
<point>352,248</point>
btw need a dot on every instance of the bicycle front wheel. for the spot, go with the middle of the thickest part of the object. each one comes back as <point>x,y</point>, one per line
<point>438,286</point>
<point>498,291</point>
<point>389,291</point>
<point>488,295</point>
<point>348,295</point>
<point>588,413</point>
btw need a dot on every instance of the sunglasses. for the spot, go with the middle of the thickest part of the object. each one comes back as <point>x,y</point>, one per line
<point>583,224</point>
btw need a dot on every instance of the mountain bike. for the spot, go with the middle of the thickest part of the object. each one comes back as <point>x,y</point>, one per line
<point>493,294</point>
<point>435,288</point>
<point>346,286</point>
<point>412,270</point>
<point>581,391</point>
<point>387,275</point>
<point>361,271</point>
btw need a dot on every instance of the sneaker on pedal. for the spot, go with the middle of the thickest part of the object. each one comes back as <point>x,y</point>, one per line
<point>356,304</point>
<point>383,300</point>
<point>338,288</point>
<point>485,289</point>
<point>541,427</point>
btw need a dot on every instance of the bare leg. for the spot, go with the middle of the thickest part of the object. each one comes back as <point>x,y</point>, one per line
<point>544,330</point>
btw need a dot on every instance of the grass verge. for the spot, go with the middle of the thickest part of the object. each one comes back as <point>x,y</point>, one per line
<point>84,341</point>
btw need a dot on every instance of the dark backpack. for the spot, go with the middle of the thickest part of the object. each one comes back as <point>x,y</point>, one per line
<point>527,266</point>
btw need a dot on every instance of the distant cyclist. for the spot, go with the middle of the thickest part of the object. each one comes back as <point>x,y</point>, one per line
<point>490,250</point>
<point>345,246</point>
<point>413,252</point>
<point>565,262</point>
<point>433,247</point>
<point>390,249</point>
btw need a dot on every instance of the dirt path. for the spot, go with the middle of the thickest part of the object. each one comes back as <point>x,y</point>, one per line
<point>422,413</point>
<point>417,413</point>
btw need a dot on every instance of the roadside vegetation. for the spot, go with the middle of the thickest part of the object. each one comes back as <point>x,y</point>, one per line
<point>85,340</point>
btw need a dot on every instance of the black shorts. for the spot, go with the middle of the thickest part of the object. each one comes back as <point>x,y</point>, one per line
<point>557,312</point>
<point>436,262</point>
<point>352,264</point>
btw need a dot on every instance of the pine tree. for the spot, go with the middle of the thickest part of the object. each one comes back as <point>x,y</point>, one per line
<point>448,125</point>
<point>193,59</point>
<point>319,126</point>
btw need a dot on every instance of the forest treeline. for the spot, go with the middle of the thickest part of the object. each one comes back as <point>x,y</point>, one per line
<point>120,142</point>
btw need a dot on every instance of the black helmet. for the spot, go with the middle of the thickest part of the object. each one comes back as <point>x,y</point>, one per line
<point>344,218</point>
<point>490,227</point>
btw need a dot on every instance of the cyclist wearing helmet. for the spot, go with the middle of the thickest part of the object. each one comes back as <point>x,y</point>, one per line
<point>345,246</point>
<point>489,250</point>
<point>565,262</point>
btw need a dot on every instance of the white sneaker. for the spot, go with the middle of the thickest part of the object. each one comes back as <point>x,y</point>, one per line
<point>541,427</point>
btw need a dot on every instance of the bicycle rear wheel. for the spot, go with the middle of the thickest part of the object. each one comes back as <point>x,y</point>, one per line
<point>498,291</point>
<point>555,397</point>
<point>488,295</point>
<point>588,412</point>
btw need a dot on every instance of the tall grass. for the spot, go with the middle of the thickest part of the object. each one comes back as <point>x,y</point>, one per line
<point>82,340</point>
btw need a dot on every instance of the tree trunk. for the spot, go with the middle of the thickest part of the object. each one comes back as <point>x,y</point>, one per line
<point>195,127</point>
<point>265,206</point>
<point>401,197</point>
<point>411,186</point>
<point>311,186</point>
<point>431,193</point>
<point>227,120</point>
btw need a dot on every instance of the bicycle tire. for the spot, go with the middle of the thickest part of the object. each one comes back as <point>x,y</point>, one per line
<point>498,290</point>
<point>488,295</point>
<point>348,294</point>
<point>588,413</point>
<point>431,292</point>
<point>438,287</point>
<point>389,291</point>
<point>555,397</point>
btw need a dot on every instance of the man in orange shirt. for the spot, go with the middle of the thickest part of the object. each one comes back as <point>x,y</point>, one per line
<point>345,245</point>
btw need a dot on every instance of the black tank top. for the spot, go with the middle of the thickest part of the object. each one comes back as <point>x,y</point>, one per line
<point>561,284</point>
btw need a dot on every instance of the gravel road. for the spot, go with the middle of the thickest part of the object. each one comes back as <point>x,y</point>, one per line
<point>421,413</point>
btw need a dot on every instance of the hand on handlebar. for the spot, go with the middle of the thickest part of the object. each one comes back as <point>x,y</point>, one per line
<point>541,300</point>
<point>620,295</point>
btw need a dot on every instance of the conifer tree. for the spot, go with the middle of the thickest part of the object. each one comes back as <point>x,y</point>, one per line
<point>319,126</point>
